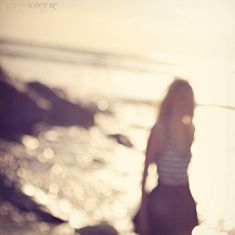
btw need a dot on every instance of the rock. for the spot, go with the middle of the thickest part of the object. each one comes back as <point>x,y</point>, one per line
<point>100,229</point>
<point>21,109</point>
<point>121,139</point>
<point>18,112</point>
<point>11,193</point>
<point>61,111</point>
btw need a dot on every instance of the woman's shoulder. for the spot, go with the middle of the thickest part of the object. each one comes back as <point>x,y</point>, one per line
<point>155,142</point>
<point>190,131</point>
<point>189,126</point>
<point>159,133</point>
<point>159,127</point>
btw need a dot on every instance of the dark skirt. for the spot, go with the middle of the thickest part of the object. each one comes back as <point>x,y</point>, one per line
<point>171,211</point>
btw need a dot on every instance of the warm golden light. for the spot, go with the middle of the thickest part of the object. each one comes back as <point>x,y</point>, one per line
<point>80,89</point>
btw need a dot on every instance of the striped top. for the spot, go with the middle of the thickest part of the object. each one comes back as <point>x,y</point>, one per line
<point>172,166</point>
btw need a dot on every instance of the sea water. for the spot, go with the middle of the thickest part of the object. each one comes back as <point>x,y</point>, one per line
<point>85,177</point>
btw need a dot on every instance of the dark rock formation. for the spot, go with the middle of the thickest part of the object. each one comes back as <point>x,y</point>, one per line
<point>21,107</point>
<point>18,112</point>
<point>121,139</point>
<point>100,229</point>
<point>11,193</point>
<point>59,110</point>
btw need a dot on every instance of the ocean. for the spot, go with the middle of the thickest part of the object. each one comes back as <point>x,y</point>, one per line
<point>85,177</point>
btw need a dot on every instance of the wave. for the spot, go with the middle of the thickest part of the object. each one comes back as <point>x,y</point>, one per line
<point>60,54</point>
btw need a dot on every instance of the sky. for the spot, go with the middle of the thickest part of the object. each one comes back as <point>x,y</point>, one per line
<point>203,27</point>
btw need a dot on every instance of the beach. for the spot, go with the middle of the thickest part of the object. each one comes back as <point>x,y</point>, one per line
<point>89,175</point>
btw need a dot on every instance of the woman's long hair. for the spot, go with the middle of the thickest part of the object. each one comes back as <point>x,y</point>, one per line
<point>179,88</point>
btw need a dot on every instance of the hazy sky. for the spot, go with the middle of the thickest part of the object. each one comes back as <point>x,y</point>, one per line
<point>129,26</point>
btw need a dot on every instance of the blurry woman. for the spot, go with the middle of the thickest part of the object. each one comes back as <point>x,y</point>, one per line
<point>169,209</point>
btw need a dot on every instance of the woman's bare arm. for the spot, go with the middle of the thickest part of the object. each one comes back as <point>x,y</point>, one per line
<point>154,148</point>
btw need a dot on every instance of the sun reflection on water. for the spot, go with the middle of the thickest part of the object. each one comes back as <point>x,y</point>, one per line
<point>86,177</point>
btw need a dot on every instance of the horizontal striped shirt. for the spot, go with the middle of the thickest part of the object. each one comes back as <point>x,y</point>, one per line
<point>172,166</point>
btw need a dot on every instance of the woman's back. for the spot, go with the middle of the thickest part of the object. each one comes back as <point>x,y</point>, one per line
<point>172,163</point>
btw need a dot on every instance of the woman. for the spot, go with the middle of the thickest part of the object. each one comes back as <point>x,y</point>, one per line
<point>170,209</point>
